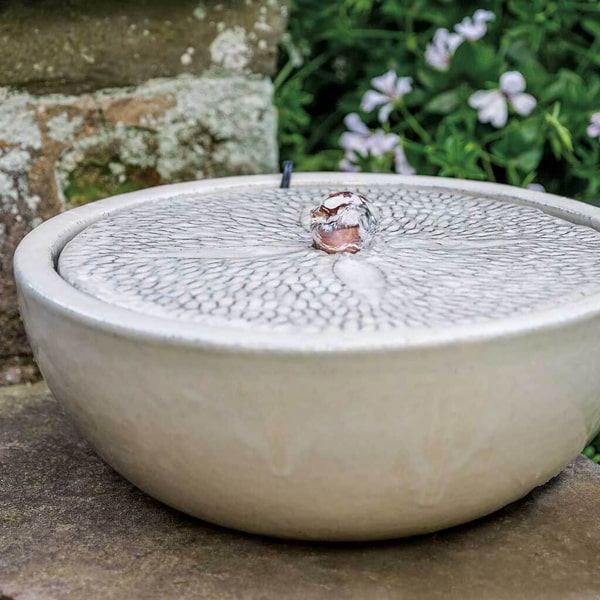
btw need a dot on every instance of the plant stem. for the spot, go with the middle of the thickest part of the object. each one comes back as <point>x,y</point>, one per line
<point>377,34</point>
<point>416,126</point>
<point>415,146</point>
<point>492,159</point>
<point>318,132</point>
<point>285,72</point>
<point>311,66</point>
<point>487,165</point>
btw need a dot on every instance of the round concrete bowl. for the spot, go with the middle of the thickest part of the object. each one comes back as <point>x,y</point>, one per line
<point>350,437</point>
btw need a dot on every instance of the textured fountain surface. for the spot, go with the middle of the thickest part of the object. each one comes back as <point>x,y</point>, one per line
<point>243,258</point>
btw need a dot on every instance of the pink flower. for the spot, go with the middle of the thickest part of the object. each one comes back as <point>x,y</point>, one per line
<point>389,89</point>
<point>348,166</point>
<point>359,140</point>
<point>401,165</point>
<point>593,129</point>
<point>492,105</point>
<point>474,28</point>
<point>536,187</point>
<point>443,46</point>
<point>355,139</point>
<point>380,142</point>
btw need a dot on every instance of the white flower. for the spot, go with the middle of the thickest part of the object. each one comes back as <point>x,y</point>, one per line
<point>443,46</point>
<point>492,105</point>
<point>347,165</point>
<point>474,28</point>
<point>354,123</point>
<point>593,129</point>
<point>536,187</point>
<point>355,139</point>
<point>359,140</point>
<point>401,164</point>
<point>380,142</point>
<point>389,88</point>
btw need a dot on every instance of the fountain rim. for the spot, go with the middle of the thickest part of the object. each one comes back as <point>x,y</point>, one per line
<point>38,279</point>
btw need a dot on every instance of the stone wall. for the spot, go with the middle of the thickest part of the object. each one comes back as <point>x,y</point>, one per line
<point>98,98</point>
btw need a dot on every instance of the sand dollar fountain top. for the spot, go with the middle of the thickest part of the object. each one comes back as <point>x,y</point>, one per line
<point>245,258</point>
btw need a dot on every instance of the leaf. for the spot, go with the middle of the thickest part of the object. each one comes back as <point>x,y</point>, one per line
<point>529,161</point>
<point>416,98</point>
<point>565,84</point>
<point>560,136</point>
<point>476,61</point>
<point>427,78</point>
<point>512,144</point>
<point>592,26</point>
<point>443,103</point>
<point>530,130</point>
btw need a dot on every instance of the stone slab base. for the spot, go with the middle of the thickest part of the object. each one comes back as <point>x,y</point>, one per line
<point>72,528</point>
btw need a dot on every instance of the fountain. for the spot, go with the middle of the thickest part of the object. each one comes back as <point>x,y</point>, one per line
<point>355,357</point>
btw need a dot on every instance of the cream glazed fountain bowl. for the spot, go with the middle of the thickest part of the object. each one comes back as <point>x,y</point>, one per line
<point>229,369</point>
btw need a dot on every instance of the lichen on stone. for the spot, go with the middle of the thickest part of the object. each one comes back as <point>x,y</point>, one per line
<point>172,130</point>
<point>200,11</point>
<point>62,129</point>
<point>17,125</point>
<point>230,49</point>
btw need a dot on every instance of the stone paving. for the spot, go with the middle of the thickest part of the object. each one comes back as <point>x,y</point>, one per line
<point>71,528</point>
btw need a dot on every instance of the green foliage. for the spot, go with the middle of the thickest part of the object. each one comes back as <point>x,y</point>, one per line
<point>592,451</point>
<point>334,49</point>
<point>94,179</point>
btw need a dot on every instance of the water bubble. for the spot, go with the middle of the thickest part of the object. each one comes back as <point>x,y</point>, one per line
<point>343,222</point>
